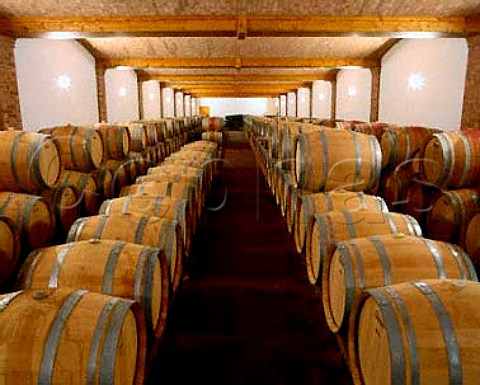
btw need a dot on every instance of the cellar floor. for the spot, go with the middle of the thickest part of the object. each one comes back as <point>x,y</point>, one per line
<point>245,314</point>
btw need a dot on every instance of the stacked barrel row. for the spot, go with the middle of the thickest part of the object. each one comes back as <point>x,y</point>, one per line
<point>432,175</point>
<point>90,311</point>
<point>212,128</point>
<point>393,298</point>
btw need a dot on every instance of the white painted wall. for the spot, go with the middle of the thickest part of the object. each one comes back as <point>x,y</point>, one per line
<point>303,102</point>
<point>168,98</point>
<point>292,104</point>
<point>151,100</point>
<point>354,93</point>
<point>187,105</point>
<point>272,106</point>
<point>179,110</point>
<point>442,63</point>
<point>194,106</point>
<point>121,90</point>
<point>321,99</point>
<point>283,105</point>
<point>234,106</point>
<point>39,63</point>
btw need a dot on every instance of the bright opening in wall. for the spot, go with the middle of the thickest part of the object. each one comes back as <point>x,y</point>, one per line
<point>122,92</point>
<point>64,82</point>
<point>123,68</point>
<point>151,96</point>
<point>352,91</point>
<point>416,82</point>
<point>321,96</point>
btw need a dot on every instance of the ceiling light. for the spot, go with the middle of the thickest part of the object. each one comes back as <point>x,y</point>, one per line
<point>321,96</point>
<point>122,91</point>
<point>151,96</point>
<point>64,82</point>
<point>352,91</point>
<point>416,82</point>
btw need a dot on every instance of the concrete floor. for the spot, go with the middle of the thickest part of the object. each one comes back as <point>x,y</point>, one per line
<point>246,315</point>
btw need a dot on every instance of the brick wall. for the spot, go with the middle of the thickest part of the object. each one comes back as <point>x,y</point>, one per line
<point>471,101</point>
<point>9,101</point>
<point>101,95</point>
<point>375,93</point>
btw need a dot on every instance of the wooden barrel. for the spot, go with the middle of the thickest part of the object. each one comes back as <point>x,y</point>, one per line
<point>320,203</point>
<point>203,146</point>
<point>452,210</point>
<point>289,138</point>
<point>420,332</point>
<point>160,127</point>
<point>160,152</point>
<point>9,247</point>
<point>176,173</point>
<point>65,204</point>
<point>451,159</point>
<point>393,189</point>
<point>115,268</point>
<point>136,228</point>
<point>116,141</point>
<point>419,199</point>
<point>181,190</point>
<point>213,123</point>
<point>160,207</point>
<point>86,188</point>
<point>291,194</point>
<point>104,178</point>
<point>216,137</point>
<point>151,132</point>
<point>402,143</point>
<point>331,159</point>
<point>81,148</point>
<point>365,263</point>
<point>30,162</point>
<point>372,128</point>
<point>472,245</point>
<point>138,137</point>
<point>119,174</point>
<point>32,216</point>
<point>71,337</point>
<point>328,229</point>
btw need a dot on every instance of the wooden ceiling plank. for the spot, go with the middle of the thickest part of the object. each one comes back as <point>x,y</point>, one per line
<point>246,62</point>
<point>236,78</point>
<point>240,26</point>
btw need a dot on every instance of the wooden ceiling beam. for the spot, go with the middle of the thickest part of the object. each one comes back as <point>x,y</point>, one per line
<point>240,26</point>
<point>237,78</point>
<point>245,62</point>
<point>248,85</point>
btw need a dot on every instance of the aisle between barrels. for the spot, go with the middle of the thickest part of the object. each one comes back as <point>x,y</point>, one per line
<point>246,314</point>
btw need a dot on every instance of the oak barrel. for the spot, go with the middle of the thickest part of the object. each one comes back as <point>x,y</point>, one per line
<point>32,216</point>
<point>104,178</point>
<point>29,162</point>
<point>320,203</point>
<point>420,332</point>
<point>372,128</point>
<point>211,136</point>
<point>116,141</point>
<point>449,216</point>
<point>157,206</point>
<point>365,263</point>
<point>452,159</point>
<point>138,137</point>
<point>136,228</point>
<point>119,174</point>
<point>399,144</point>
<point>330,159</point>
<point>86,188</point>
<point>81,148</point>
<point>472,244</point>
<point>328,229</point>
<point>115,268</point>
<point>65,204</point>
<point>71,337</point>
<point>9,247</point>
